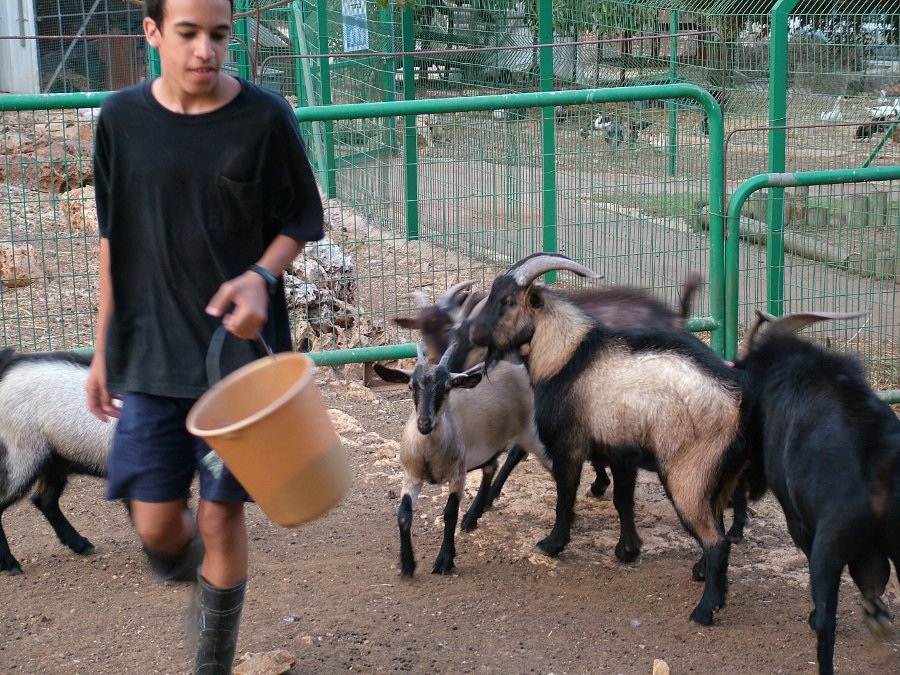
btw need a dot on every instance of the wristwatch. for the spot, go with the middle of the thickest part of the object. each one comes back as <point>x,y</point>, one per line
<point>271,279</point>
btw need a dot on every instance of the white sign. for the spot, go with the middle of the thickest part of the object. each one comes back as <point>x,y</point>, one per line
<point>356,28</point>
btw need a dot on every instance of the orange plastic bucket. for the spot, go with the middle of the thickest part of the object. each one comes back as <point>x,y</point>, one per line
<point>268,423</point>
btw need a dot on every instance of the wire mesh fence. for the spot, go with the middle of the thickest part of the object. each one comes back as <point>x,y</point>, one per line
<point>419,202</point>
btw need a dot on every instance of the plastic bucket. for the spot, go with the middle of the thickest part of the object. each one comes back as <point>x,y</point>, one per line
<point>268,423</point>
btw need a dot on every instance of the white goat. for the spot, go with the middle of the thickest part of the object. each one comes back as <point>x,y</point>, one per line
<point>46,435</point>
<point>456,428</point>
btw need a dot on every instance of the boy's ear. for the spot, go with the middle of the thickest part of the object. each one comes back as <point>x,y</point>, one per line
<point>151,32</point>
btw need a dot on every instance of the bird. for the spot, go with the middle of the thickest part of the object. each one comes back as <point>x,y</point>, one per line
<point>882,97</point>
<point>884,113</point>
<point>835,114</point>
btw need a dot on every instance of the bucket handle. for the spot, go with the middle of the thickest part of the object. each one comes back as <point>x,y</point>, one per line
<point>214,354</point>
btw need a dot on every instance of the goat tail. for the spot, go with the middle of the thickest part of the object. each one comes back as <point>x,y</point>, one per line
<point>881,491</point>
<point>691,284</point>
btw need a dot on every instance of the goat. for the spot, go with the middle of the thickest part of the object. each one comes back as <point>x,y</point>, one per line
<point>640,397</point>
<point>621,306</point>
<point>46,435</point>
<point>829,449</point>
<point>454,429</point>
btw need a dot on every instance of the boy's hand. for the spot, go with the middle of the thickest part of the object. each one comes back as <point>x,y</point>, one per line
<point>99,401</point>
<point>248,299</point>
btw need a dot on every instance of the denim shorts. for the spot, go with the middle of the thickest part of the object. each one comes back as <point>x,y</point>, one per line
<point>154,458</point>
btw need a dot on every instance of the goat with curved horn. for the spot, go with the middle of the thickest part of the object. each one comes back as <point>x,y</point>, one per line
<point>528,269</point>
<point>448,299</point>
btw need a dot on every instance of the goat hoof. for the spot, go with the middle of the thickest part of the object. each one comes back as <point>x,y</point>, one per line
<point>549,547</point>
<point>735,536</point>
<point>597,490</point>
<point>877,618</point>
<point>469,524</point>
<point>699,571</point>
<point>83,547</point>
<point>12,571</point>
<point>443,566</point>
<point>627,553</point>
<point>702,616</point>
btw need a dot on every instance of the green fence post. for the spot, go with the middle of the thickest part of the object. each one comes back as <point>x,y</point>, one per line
<point>545,37</point>
<point>670,104</point>
<point>241,31</point>
<point>410,141</point>
<point>778,72</point>
<point>325,87</point>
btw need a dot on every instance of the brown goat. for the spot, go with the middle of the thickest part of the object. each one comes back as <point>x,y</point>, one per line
<point>659,399</point>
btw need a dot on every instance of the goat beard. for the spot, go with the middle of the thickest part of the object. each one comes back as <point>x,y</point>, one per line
<point>495,355</point>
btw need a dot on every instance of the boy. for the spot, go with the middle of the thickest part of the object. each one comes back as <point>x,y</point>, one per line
<point>204,196</point>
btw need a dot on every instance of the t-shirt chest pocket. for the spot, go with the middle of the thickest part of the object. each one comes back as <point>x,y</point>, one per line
<point>237,206</point>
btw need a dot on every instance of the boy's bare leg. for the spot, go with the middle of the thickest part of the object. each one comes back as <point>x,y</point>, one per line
<point>224,533</point>
<point>167,531</point>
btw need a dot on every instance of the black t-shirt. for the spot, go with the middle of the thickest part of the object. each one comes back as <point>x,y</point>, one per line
<point>188,202</point>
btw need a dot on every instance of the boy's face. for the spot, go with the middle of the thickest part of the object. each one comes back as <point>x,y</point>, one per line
<point>192,42</point>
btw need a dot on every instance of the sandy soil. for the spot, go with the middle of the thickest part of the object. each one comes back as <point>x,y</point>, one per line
<point>329,592</point>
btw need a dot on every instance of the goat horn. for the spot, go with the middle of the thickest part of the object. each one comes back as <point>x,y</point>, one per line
<point>421,297</point>
<point>792,323</point>
<point>445,357</point>
<point>528,269</point>
<point>472,306</point>
<point>446,300</point>
<point>420,355</point>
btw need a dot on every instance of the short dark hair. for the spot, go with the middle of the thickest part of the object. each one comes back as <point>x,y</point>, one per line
<point>154,9</point>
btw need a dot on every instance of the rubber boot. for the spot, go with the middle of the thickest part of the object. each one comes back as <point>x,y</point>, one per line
<point>219,620</point>
<point>182,568</point>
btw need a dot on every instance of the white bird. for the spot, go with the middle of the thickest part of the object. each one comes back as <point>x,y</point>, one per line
<point>882,97</point>
<point>835,114</point>
<point>882,113</point>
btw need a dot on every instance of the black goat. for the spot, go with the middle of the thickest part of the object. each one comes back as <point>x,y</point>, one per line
<point>829,449</point>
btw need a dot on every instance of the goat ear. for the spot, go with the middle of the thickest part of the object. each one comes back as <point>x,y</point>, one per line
<point>407,322</point>
<point>792,323</point>
<point>394,375</point>
<point>535,296</point>
<point>467,379</point>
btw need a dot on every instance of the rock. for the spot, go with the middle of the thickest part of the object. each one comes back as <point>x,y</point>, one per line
<point>19,266</point>
<point>82,209</point>
<point>264,663</point>
<point>660,667</point>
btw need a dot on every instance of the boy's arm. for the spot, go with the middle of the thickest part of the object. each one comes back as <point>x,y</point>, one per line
<point>99,401</point>
<point>243,302</point>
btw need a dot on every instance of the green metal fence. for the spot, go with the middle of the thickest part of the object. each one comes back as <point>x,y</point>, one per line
<point>422,196</point>
<point>485,209</point>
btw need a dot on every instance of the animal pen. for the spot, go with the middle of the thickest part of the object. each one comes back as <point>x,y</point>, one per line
<point>451,138</point>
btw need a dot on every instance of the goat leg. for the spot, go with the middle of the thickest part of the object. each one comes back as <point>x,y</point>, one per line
<point>870,571</point>
<point>8,563</point>
<point>444,564</point>
<point>825,580</point>
<point>739,519</point>
<point>46,500</point>
<point>715,589</point>
<point>628,547</point>
<point>567,473</point>
<point>483,498</point>
<point>515,455</point>
<point>601,482</point>
<point>404,523</point>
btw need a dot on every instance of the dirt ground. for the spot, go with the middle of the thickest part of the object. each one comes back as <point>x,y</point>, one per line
<point>329,593</point>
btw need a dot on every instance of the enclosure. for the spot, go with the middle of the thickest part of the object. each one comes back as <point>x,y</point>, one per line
<point>740,139</point>
<point>630,186</point>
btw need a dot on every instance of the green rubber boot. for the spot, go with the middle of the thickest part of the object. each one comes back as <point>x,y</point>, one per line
<point>219,613</point>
